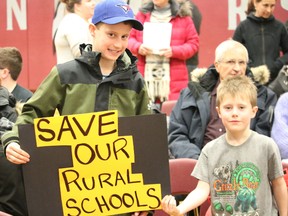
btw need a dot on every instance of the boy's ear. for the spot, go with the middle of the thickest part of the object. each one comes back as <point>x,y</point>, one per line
<point>4,73</point>
<point>218,111</point>
<point>254,111</point>
<point>92,28</point>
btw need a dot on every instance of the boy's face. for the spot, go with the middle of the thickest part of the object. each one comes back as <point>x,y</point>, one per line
<point>110,40</point>
<point>233,63</point>
<point>236,113</point>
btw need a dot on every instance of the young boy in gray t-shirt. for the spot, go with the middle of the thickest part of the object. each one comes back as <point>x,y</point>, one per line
<point>241,169</point>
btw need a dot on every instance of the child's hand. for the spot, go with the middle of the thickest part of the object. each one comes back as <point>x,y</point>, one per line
<point>168,204</point>
<point>139,214</point>
<point>16,155</point>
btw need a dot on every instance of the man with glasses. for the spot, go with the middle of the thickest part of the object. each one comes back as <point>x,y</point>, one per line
<point>194,120</point>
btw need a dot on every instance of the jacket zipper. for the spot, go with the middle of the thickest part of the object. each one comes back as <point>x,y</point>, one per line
<point>263,44</point>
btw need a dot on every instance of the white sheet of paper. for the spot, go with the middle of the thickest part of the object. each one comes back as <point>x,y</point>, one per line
<point>157,36</point>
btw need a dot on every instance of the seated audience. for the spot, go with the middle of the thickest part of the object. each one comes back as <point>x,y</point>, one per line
<point>194,120</point>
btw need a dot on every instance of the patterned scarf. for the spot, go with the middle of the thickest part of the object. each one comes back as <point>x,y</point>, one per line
<point>157,68</point>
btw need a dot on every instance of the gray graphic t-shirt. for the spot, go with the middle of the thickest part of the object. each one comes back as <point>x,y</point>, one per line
<point>239,176</point>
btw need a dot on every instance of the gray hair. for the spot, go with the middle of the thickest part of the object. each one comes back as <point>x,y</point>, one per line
<point>228,45</point>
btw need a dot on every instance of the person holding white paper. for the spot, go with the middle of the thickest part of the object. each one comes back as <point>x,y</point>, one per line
<point>168,40</point>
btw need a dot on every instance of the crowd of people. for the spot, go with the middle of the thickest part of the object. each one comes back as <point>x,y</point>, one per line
<point>228,119</point>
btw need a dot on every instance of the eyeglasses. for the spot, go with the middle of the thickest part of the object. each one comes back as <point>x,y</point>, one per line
<point>233,62</point>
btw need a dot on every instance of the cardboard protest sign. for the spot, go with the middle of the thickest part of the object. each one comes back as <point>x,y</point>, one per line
<point>95,164</point>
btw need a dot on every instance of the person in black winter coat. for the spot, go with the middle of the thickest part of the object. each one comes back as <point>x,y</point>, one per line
<point>264,37</point>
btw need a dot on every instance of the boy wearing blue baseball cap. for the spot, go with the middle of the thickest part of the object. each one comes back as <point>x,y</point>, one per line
<point>105,77</point>
<point>111,25</point>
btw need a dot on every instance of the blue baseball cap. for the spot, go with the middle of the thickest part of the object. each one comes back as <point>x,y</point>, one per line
<point>113,12</point>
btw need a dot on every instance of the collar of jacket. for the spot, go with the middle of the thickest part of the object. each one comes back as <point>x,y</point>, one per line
<point>254,18</point>
<point>180,8</point>
<point>126,65</point>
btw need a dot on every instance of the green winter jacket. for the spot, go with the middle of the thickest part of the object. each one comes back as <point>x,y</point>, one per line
<point>78,87</point>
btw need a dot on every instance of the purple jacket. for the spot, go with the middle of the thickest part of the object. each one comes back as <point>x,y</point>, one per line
<point>280,125</point>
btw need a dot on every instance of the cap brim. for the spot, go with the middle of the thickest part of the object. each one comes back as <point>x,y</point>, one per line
<point>135,23</point>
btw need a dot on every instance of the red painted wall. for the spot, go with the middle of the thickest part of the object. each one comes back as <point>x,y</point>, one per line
<point>35,40</point>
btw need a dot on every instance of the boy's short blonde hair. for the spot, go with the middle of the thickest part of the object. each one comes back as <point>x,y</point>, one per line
<point>237,86</point>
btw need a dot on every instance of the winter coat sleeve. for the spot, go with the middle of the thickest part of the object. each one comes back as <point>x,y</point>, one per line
<point>266,102</point>
<point>283,60</point>
<point>142,100</point>
<point>185,128</point>
<point>136,38</point>
<point>185,41</point>
<point>237,34</point>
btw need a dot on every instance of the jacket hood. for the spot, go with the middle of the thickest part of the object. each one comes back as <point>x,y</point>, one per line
<point>254,18</point>
<point>180,8</point>
<point>261,74</point>
<point>204,79</point>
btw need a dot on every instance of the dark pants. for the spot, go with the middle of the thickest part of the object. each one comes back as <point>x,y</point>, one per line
<point>12,194</point>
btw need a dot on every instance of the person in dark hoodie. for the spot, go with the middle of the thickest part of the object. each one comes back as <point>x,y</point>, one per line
<point>194,120</point>
<point>264,36</point>
<point>104,78</point>
<point>12,195</point>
